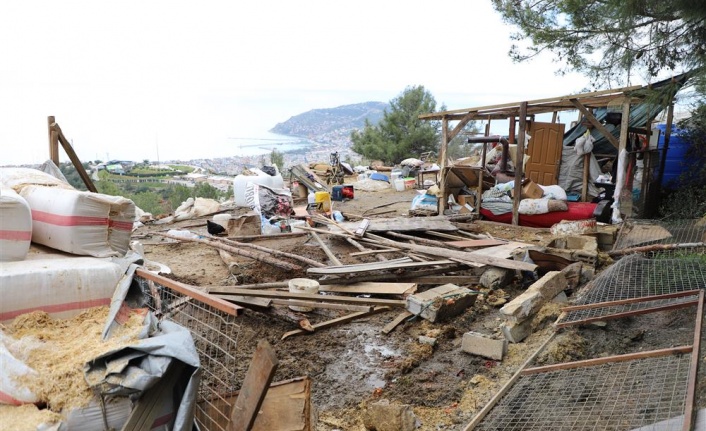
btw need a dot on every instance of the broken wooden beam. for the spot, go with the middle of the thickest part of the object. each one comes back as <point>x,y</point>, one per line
<point>372,288</point>
<point>266,302</point>
<point>375,266</point>
<point>257,380</point>
<point>307,297</point>
<point>337,321</point>
<point>260,258</point>
<point>396,321</point>
<point>271,251</point>
<point>332,257</point>
<point>456,255</point>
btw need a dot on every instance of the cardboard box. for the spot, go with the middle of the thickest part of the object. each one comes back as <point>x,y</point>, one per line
<point>466,199</point>
<point>530,190</point>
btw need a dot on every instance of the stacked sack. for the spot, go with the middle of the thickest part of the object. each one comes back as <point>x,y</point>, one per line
<point>66,219</point>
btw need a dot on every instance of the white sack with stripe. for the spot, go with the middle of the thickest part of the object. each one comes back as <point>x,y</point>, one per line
<point>77,222</point>
<point>15,226</point>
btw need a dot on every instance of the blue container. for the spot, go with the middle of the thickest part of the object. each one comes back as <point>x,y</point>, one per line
<point>676,154</point>
<point>337,193</point>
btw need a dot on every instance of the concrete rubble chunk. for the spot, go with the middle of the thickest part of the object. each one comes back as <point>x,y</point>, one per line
<point>441,302</point>
<point>385,416</point>
<point>531,301</point>
<point>496,278</point>
<point>481,345</point>
<point>516,332</point>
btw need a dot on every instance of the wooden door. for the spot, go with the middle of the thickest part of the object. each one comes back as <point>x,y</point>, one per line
<point>545,152</point>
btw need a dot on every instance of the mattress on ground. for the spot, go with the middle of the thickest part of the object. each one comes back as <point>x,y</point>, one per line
<point>57,283</point>
<point>576,211</point>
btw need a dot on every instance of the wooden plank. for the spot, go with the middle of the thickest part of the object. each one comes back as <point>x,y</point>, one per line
<point>446,279</point>
<point>343,319</point>
<point>257,381</point>
<point>75,160</point>
<point>404,224</point>
<point>608,359</point>
<point>445,235</point>
<point>367,252</point>
<point>332,257</point>
<point>192,292</point>
<point>630,300</point>
<point>628,313</point>
<point>266,302</point>
<point>308,297</point>
<point>597,124</point>
<point>286,407</point>
<point>458,255</point>
<point>360,231</point>
<point>396,321</point>
<point>468,243</point>
<point>350,269</point>
<point>689,416</point>
<point>246,300</point>
<point>499,251</point>
<point>372,288</point>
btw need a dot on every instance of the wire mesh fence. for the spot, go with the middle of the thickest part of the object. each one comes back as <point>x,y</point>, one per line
<point>638,276</point>
<point>215,333</point>
<point>612,396</point>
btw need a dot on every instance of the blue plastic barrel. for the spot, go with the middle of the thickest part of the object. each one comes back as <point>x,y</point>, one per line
<point>676,154</point>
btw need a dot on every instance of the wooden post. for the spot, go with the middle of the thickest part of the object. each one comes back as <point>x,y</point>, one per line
<point>554,117</point>
<point>518,167</point>
<point>586,173</point>
<point>512,130</point>
<point>442,164</point>
<point>74,158</point>
<point>53,141</point>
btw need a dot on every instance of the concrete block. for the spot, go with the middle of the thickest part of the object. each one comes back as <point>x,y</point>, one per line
<point>441,302</point>
<point>496,278</point>
<point>384,416</point>
<point>531,301</point>
<point>550,285</point>
<point>516,332</point>
<point>478,344</point>
<point>561,298</point>
<point>523,306</point>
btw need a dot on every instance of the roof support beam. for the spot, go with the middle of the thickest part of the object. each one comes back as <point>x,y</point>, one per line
<point>586,113</point>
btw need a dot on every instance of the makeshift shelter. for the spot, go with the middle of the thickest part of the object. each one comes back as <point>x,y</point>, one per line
<point>638,106</point>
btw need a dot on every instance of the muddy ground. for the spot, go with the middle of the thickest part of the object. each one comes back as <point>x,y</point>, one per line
<point>355,363</point>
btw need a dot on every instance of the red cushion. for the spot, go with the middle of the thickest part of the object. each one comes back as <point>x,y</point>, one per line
<point>576,211</point>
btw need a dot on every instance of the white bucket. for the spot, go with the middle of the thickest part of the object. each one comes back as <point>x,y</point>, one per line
<point>303,285</point>
<point>399,184</point>
<point>222,219</point>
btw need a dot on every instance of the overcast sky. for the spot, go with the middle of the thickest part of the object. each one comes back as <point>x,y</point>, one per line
<point>127,79</point>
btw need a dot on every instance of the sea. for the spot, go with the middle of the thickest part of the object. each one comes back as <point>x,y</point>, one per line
<point>264,143</point>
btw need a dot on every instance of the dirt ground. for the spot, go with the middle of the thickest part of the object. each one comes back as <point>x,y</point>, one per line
<point>355,363</point>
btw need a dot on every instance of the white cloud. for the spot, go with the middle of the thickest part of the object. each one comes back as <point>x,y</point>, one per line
<point>124,77</point>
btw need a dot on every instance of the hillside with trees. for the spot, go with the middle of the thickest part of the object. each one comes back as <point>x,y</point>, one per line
<point>332,124</point>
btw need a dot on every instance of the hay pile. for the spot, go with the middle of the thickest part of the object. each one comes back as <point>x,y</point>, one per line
<point>58,349</point>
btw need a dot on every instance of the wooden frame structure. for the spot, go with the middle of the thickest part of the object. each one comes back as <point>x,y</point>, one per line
<point>56,136</point>
<point>585,103</point>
